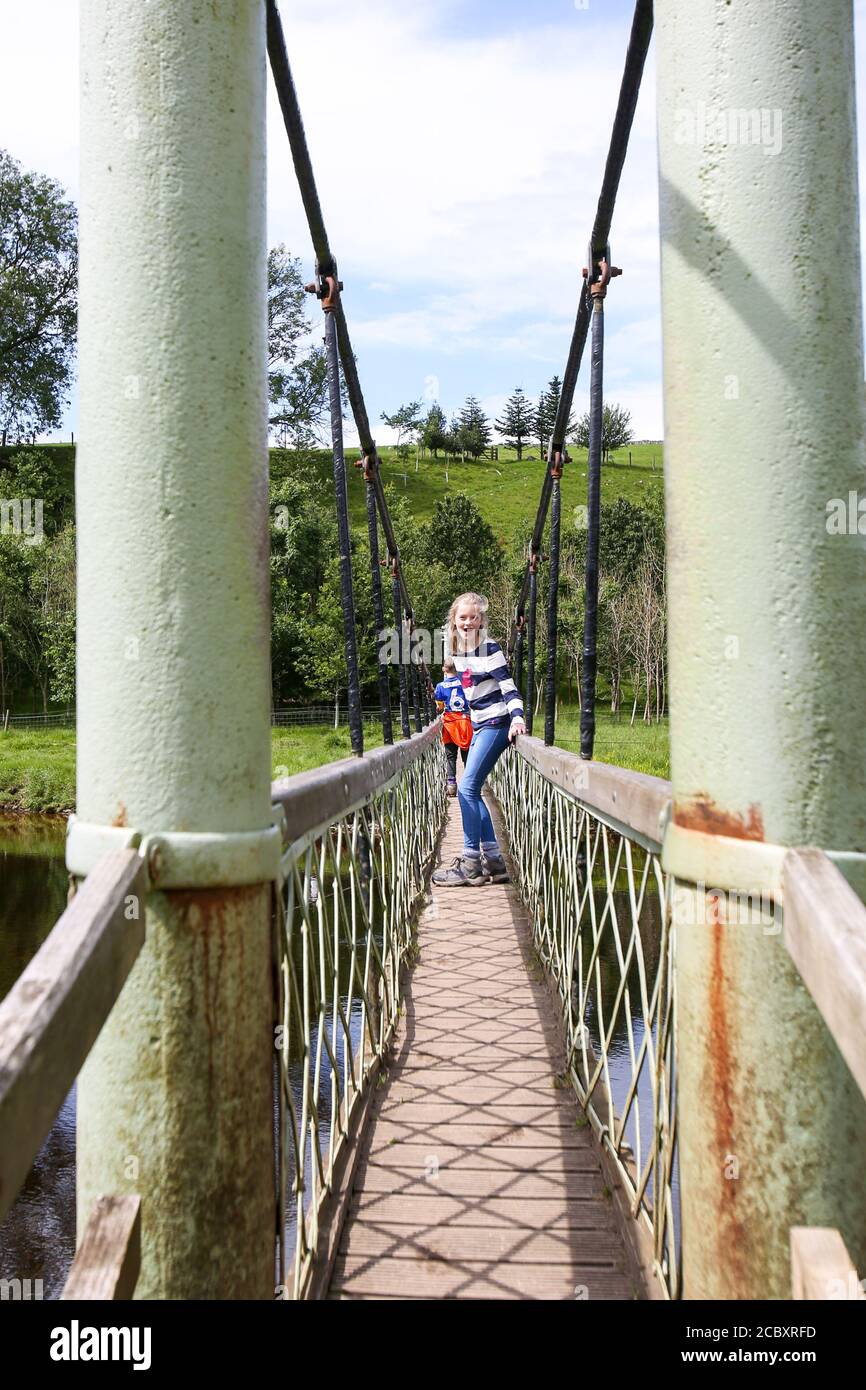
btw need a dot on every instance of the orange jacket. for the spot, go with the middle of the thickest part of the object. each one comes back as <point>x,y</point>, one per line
<point>456,728</point>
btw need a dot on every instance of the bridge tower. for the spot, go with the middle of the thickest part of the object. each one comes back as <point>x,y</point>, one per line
<point>764,428</point>
<point>173,628</point>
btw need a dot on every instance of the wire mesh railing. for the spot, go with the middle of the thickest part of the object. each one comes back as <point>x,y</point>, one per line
<point>598,901</point>
<point>348,896</point>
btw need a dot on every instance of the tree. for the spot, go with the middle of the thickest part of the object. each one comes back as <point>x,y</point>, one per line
<point>323,633</point>
<point>458,537</point>
<point>38,300</point>
<point>34,474</point>
<point>545,415</point>
<point>434,430</point>
<point>297,368</point>
<point>406,421</point>
<point>616,431</point>
<point>516,423</point>
<point>646,638</point>
<point>474,429</point>
<point>303,535</point>
<point>37,580</point>
<point>58,606</point>
<point>452,438</point>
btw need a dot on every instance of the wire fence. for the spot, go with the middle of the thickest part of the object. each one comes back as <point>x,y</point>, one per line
<point>332,716</point>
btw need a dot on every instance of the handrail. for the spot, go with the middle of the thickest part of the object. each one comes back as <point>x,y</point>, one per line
<point>361,835</point>
<point>309,800</point>
<point>54,1013</point>
<point>633,801</point>
<point>824,919</point>
<point>825,934</point>
<point>586,847</point>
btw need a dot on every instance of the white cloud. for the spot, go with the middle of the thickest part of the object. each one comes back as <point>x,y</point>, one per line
<point>458,175</point>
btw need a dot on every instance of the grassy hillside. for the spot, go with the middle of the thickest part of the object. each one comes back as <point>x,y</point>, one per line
<point>506,491</point>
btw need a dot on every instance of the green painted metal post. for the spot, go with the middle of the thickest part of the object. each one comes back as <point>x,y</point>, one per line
<point>173,626</point>
<point>764,428</point>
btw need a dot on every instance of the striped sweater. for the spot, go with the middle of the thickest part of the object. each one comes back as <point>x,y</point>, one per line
<point>491,694</point>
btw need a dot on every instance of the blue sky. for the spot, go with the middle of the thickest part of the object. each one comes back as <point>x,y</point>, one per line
<point>459,146</point>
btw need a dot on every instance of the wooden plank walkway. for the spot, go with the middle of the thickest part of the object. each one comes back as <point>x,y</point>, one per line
<point>477,1178</point>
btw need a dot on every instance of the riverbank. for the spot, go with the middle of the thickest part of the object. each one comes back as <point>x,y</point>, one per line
<point>37,767</point>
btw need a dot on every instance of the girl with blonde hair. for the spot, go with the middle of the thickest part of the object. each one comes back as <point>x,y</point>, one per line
<point>496,711</point>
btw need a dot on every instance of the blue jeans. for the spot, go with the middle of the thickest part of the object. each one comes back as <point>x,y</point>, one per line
<point>485,748</point>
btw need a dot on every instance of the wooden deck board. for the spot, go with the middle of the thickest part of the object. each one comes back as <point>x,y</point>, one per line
<point>478,1178</point>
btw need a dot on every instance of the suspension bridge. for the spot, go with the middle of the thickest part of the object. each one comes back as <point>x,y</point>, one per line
<point>301,1072</point>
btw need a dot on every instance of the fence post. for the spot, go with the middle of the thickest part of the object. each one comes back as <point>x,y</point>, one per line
<point>175,1101</point>
<point>763,378</point>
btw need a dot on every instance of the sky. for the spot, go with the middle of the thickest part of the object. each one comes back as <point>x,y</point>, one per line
<point>458,147</point>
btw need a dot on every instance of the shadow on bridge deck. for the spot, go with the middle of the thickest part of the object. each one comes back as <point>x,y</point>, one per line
<point>477,1178</point>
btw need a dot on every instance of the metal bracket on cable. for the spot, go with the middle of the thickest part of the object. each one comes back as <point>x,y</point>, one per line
<point>599,272</point>
<point>556,464</point>
<point>326,287</point>
<point>369,462</point>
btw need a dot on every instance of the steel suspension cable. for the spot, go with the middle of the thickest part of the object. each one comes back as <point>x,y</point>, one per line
<point>590,614</point>
<point>552,609</point>
<point>529,703</point>
<point>378,613</point>
<point>347,596</point>
<point>599,253</point>
<point>400,626</point>
<point>326,267</point>
<point>416,694</point>
<point>518,657</point>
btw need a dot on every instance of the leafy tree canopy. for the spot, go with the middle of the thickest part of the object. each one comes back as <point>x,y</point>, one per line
<point>616,431</point>
<point>38,300</point>
<point>297,366</point>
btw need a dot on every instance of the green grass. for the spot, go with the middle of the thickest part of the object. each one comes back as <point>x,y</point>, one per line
<point>298,749</point>
<point>37,769</point>
<point>506,492</point>
<point>642,747</point>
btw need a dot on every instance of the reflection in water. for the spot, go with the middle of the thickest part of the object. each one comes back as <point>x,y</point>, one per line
<point>37,1239</point>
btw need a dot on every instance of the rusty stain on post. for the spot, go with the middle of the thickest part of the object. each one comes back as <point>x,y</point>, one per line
<point>699,813</point>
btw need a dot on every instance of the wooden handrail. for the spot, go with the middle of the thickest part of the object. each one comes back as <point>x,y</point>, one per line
<point>325,794</point>
<point>108,1257</point>
<point>54,1012</point>
<point>635,800</point>
<point>825,933</point>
